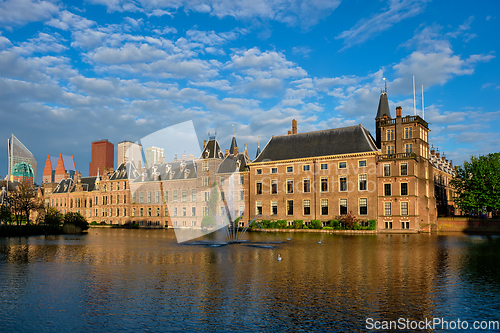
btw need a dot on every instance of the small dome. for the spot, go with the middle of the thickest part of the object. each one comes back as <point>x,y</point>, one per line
<point>23,169</point>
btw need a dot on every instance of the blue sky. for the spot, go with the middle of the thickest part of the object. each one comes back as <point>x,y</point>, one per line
<point>72,72</point>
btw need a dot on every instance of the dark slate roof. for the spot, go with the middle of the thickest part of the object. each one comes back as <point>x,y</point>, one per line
<point>213,150</point>
<point>88,183</point>
<point>123,170</point>
<point>233,145</point>
<point>64,186</point>
<point>230,163</point>
<point>166,171</point>
<point>346,140</point>
<point>383,107</point>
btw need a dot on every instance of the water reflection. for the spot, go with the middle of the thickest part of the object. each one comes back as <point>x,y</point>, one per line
<point>114,279</point>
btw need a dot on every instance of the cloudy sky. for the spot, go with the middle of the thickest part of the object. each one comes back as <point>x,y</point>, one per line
<point>72,72</point>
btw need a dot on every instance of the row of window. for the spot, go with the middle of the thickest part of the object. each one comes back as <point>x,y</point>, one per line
<point>408,149</point>
<point>117,187</point>
<point>403,208</point>
<point>408,133</point>
<point>307,167</point>
<point>306,207</point>
<point>306,185</point>
<point>403,170</point>
<point>388,189</point>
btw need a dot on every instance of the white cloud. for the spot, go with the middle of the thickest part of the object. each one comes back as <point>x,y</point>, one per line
<point>43,43</point>
<point>301,50</point>
<point>69,21</point>
<point>305,13</point>
<point>223,85</point>
<point>18,12</point>
<point>366,28</point>
<point>323,84</point>
<point>128,53</point>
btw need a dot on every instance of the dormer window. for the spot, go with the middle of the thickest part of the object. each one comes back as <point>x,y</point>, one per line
<point>186,173</point>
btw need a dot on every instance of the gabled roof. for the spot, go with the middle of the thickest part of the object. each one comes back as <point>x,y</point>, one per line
<point>346,140</point>
<point>383,107</point>
<point>234,164</point>
<point>212,150</point>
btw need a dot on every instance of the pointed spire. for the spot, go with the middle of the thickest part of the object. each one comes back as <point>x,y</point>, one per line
<point>60,170</point>
<point>383,107</point>
<point>47,171</point>
<point>246,150</point>
<point>233,143</point>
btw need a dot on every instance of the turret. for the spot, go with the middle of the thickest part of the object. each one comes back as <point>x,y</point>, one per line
<point>383,112</point>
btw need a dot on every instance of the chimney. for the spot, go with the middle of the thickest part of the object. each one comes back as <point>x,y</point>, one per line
<point>236,150</point>
<point>451,164</point>
<point>175,157</point>
<point>289,132</point>
<point>204,143</point>
<point>191,156</point>
<point>294,126</point>
<point>398,111</point>
<point>184,157</point>
<point>226,153</point>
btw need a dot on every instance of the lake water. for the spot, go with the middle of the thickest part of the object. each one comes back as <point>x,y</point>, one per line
<point>144,281</point>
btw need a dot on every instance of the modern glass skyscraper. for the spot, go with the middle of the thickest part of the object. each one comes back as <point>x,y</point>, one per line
<point>18,153</point>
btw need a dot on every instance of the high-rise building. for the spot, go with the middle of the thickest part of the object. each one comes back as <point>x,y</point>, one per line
<point>154,155</point>
<point>129,151</point>
<point>18,153</point>
<point>103,156</point>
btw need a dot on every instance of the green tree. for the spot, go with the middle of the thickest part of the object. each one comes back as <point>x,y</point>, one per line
<point>52,217</point>
<point>477,183</point>
<point>77,220</point>
<point>5,214</point>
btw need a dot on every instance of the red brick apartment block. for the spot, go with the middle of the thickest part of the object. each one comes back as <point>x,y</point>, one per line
<point>103,156</point>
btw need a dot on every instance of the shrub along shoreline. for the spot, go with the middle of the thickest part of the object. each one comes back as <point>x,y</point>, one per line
<point>315,224</point>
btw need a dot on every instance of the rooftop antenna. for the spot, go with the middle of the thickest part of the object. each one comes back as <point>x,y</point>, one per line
<point>414,107</point>
<point>423,109</point>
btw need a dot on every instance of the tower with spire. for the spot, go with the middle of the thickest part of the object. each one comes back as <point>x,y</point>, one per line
<point>383,113</point>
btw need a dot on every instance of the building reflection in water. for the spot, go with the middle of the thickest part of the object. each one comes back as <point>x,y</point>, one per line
<point>115,278</point>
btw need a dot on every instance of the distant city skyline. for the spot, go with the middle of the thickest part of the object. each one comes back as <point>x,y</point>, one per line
<point>75,72</point>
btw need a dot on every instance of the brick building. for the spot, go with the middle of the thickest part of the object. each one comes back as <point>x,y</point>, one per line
<point>299,176</point>
<point>103,157</point>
